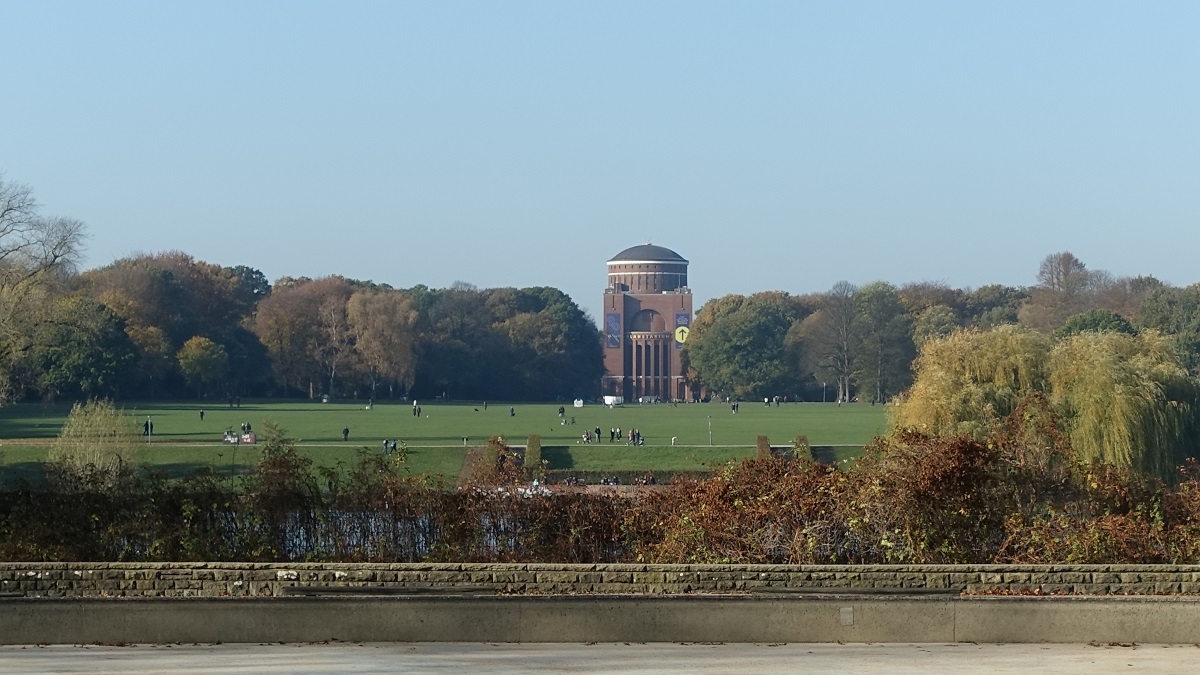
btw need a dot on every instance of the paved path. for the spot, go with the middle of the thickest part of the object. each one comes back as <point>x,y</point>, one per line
<point>600,658</point>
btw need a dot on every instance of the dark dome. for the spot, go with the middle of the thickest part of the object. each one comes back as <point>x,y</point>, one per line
<point>649,253</point>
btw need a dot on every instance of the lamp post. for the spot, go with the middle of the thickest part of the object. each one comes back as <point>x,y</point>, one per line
<point>710,429</point>
<point>822,392</point>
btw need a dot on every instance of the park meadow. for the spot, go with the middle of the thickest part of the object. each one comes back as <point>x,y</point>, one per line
<point>693,437</point>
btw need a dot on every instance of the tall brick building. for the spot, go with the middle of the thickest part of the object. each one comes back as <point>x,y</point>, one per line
<point>647,314</point>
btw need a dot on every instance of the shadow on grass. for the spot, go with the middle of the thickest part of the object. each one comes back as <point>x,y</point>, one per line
<point>17,472</point>
<point>558,457</point>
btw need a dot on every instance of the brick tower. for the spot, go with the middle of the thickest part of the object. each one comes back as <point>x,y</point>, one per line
<point>647,314</point>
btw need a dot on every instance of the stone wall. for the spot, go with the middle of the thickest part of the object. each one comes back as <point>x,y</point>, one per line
<point>261,579</point>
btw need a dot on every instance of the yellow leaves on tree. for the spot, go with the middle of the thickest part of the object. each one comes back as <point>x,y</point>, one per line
<point>1122,399</point>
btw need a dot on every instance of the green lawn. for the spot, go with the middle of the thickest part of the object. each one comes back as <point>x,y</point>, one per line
<point>182,442</point>
<point>178,460</point>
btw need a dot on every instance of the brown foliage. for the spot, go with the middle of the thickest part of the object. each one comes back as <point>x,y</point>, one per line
<point>1018,495</point>
<point>764,510</point>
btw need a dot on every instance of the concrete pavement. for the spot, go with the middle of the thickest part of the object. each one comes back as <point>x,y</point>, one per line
<point>655,658</point>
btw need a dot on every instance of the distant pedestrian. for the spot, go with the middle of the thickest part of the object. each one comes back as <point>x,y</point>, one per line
<point>146,427</point>
<point>512,411</point>
<point>202,414</point>
<point>345,433</point>
<point>485,405</point>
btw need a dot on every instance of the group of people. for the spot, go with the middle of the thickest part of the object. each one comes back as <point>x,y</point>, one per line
<point>632,437</point>
<point>389,446</point>
<point>615,435</point>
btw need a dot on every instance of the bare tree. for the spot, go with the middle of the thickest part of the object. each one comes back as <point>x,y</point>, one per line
<point>831,338</point>
<point>1066,287</point>
<point>334,346</point>
<point>33,249</point>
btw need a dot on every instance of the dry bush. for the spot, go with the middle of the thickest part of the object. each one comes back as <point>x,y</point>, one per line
<point>760,511</point>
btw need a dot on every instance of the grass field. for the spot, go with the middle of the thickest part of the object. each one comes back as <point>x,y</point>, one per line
<point>182,442</point>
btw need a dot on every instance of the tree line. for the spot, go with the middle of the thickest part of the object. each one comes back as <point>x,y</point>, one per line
<point>862,341</point>
<point>165,325</point>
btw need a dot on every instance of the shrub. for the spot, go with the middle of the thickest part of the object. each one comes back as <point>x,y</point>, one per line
<point>534,468</point>
<point>762,448</point>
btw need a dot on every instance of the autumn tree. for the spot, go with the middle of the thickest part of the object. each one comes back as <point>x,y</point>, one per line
<point>832,347</point>
<point>204,363</point>
<point>384,326</point>
<point>1066,287</point>
<point>333,346</point>
<point>285,324</point>
<point>918,296</point>
<point>167,298</point>
<point>156,357</point>
<point>34,251</point>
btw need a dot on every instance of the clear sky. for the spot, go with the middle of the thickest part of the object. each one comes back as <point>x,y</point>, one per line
<point>777,146</point>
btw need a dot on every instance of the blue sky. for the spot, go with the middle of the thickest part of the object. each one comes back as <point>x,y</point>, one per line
<point>777,146</point>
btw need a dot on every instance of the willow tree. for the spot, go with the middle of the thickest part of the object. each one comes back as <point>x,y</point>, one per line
<point>1126,400</point>
<point>97,437</point>
<point>968,381</point>
<point>1121,399</point>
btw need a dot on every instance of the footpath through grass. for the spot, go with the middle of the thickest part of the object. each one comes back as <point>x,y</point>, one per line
<point>438,438</point>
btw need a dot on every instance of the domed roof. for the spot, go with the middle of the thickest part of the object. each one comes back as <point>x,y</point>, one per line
<point>648,253</point>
